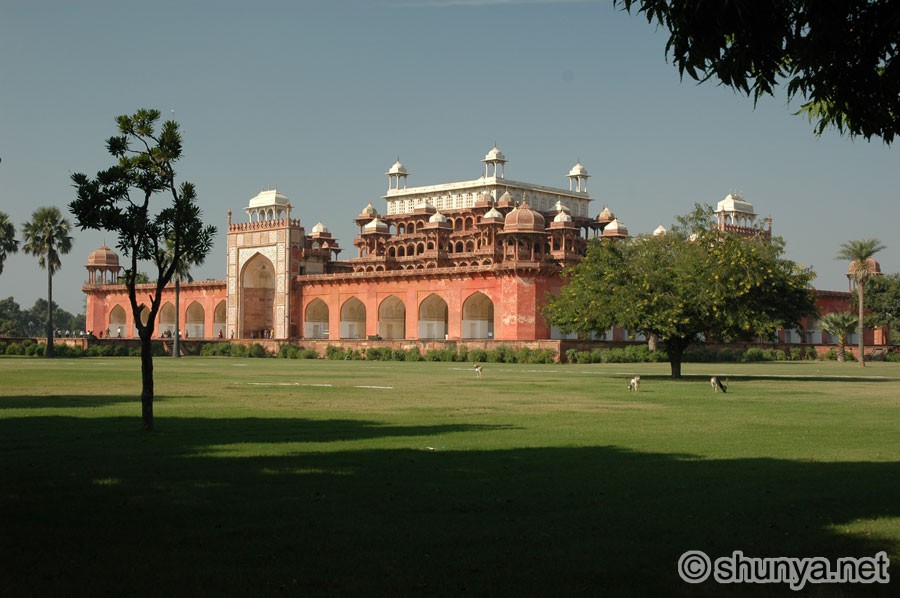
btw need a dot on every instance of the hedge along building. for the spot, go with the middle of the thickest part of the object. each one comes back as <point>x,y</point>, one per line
<point>465,260</point>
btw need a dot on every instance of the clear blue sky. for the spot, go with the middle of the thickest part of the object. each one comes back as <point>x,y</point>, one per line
<point>319,98</point>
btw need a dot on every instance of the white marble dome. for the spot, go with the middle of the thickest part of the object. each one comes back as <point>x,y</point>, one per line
<point>578,170</point>
<point>734,203</point>
<point>270,197</point>
<point>376,226</point>
<point>493,213</point>
<point>397,168</point>
<point>615,229</point>
<point>495,155</point>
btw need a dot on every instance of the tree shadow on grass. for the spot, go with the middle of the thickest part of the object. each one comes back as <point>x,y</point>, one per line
<point>64,401</point>
<point>165,512</point>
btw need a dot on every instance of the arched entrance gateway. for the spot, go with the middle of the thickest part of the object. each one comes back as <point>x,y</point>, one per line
<point>116,322</point>
<point>166,324</point>
<point>392,318</point>
<point>195,316</point>
<point>219,320</point>
<point>478,316</point>
<point>433,314</point>
<point>316,320</point>
<point>353,319</point>
<point>257,297</point>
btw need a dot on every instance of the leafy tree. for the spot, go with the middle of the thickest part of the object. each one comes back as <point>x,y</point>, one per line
<point>862,268</point>
<point>62,319</point>
<point>47,236</point>
<point>10,318</point>
<point>122,198</point>
<point>841,59</point>
<point>883,300</point>
<point>839,324</point>
<point>694,280</point>
<point>8,242</point>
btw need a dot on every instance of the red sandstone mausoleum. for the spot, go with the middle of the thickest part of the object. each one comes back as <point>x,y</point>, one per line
<point>459,261</point>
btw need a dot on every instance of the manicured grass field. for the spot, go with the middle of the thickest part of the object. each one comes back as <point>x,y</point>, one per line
<point>318,477</point>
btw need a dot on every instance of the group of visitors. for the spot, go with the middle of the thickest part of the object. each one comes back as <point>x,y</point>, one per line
<point>70,333</point>
<point>262,333</point>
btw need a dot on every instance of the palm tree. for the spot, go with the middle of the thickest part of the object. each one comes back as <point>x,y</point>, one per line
<point>839,324</point>
<point>8,242</point>
<point>862,267</point>
<point>47,236</point>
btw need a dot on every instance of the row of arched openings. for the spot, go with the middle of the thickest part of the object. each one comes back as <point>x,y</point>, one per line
<point>194,325</point>
<point>433,318</point>
<point>403,228</point>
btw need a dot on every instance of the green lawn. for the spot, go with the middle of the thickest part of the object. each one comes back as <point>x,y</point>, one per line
<point>270,476</point>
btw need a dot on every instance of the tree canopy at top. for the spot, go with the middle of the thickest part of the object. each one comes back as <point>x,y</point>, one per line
<point>839,58</point>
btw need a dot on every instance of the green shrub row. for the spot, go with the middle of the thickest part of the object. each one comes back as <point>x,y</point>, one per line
<point>292,352</point>
<point>831,355</point>
<point>629,354</point>
<point>641,354</point>
<point>501,354</point>
<point>31,349</point>
<point>226,349</point>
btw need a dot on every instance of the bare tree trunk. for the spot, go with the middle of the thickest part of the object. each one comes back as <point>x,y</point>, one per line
<point>675,350</point>
<point>176,344</point>
<point>50,351</point>
<point>146,381</point>
<point>862,346</point>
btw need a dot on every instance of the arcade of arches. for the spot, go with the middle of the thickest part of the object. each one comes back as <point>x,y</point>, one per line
<point>431,318</point>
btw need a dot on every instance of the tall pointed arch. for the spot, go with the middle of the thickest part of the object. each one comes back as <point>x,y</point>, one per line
<point>392,318</point>
<point>219,320</point>
<point>195,317</point>
<point>165,325</point>
<point>478,316</point>
<point>257,287</point>
<point>315,321</point>
<point>353,319</point>
<point>433,316</point>
<point>117,319</point>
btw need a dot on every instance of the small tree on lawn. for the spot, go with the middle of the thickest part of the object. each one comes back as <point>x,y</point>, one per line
<point>122,198</point>
<point>839,324</point>
<point>693,280</point>
<point>862,268</point>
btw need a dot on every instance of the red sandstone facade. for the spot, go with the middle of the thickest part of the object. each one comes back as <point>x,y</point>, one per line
<point>459,261</point>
